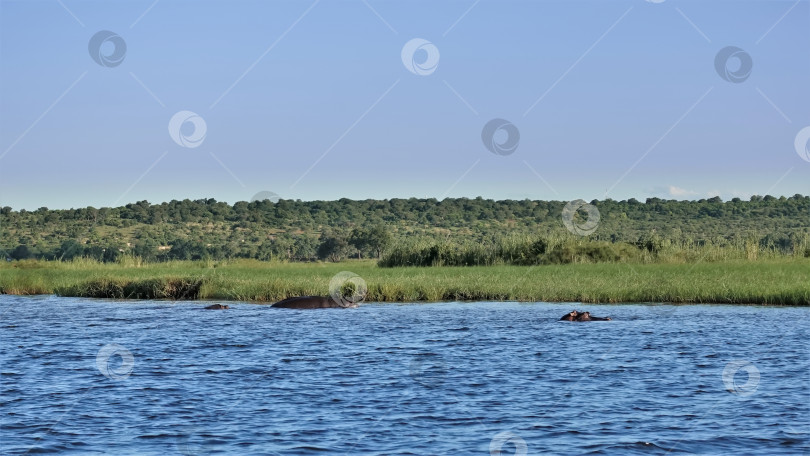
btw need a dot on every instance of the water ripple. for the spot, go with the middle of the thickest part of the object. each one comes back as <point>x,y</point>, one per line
<point>400,379</point>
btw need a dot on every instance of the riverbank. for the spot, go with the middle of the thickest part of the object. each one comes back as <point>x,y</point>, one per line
<point>772,282</point>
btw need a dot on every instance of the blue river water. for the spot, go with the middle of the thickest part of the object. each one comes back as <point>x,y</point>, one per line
<point>86,376</point>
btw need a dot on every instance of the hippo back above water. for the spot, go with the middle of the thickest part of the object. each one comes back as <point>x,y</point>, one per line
<point>313,302</point>
<point>217,307</point>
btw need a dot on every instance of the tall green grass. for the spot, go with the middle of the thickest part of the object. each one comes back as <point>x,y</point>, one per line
<point>523,249</point>
<point>783,281</point>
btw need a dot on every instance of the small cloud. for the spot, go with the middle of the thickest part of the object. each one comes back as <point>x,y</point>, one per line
<point>673,192</point>
<point>680,192</point>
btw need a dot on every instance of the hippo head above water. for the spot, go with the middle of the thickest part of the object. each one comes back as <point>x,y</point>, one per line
<point>576,315</point>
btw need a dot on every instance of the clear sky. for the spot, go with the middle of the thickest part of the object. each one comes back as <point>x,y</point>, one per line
<point>315,99</point>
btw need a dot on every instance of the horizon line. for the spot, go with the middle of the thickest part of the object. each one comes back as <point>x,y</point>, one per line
<point>298,200</point>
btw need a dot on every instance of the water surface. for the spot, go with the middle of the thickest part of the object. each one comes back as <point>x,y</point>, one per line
<point>133,377</point>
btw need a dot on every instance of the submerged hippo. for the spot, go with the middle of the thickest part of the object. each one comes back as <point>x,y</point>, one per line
<point>576,315</point>
<point>586,316</point>
<point>313,302</point>
<point>217,307</point>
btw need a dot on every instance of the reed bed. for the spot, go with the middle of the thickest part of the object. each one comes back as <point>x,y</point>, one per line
<point>527,249</point>
<point>782,281</point>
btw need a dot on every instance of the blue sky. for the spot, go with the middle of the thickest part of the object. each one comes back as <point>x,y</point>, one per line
<point>312,100</point>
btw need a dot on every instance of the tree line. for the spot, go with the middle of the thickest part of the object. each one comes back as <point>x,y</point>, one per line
<point>402,231</point>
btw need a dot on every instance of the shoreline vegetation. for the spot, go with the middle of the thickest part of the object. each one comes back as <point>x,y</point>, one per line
<point>417,250</point>
<point>768,281</point>
<point>416,232</point>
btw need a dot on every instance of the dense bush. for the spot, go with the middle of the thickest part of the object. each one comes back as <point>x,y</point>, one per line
<point>525,251</point>
<point>413,231</point>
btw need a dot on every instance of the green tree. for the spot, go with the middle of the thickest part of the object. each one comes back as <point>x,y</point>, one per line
<point>146,248</point>
<point>22,252</point>
<point>333,248</point>
<point>69,250</point>
<point>372,240</point>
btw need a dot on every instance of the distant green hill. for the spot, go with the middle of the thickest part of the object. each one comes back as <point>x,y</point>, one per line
<point>483,230</point>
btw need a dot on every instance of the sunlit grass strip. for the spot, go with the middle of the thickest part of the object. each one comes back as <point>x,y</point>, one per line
<point>778,282</point>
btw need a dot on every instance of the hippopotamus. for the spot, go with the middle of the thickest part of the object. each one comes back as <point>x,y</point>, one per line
<point>217,307</point>
<point>313,302</point>
<point>586,316</point>
<point>576,315</point>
